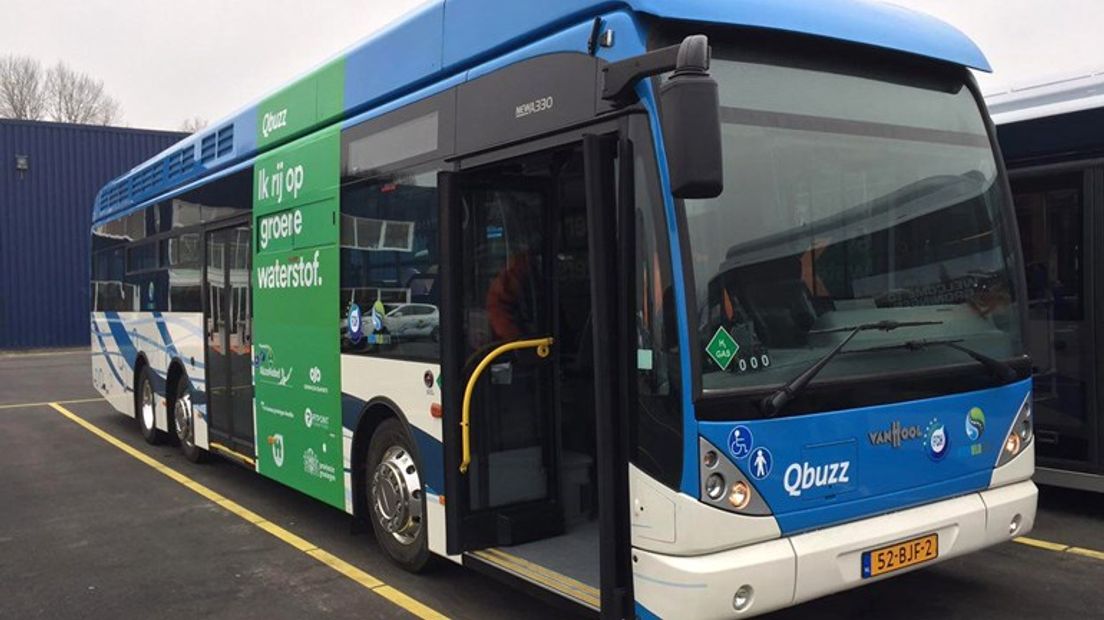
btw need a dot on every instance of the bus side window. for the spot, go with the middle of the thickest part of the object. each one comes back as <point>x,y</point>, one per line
<point>656,428</point>
<point>388,303</point>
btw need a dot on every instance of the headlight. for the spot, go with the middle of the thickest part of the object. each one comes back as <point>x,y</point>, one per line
<point>1021,433</point>
<point>714,486</point>
<point>724,486</point>
<point>740,495</point>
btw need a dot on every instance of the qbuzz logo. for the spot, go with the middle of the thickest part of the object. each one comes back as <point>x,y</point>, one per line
<point>271,121</point>
<point>801,477</point>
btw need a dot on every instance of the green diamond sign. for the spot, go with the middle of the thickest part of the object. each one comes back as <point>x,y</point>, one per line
<point>722,348</point>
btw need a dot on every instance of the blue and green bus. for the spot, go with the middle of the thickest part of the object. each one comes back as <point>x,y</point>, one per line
<point>665,309</point>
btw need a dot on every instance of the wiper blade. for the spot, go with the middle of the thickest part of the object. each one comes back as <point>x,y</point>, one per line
<point>778,400</point>
<point>997,368</point>
<point>885,326</point>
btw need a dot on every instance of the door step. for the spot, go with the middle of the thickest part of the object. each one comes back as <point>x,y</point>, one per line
<point>232,454</point>
<point>541,576</point>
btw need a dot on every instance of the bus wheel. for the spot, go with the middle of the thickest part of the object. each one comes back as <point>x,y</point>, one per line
<point>396,500</point>
<point>183,426</point>
<point>145,408</point>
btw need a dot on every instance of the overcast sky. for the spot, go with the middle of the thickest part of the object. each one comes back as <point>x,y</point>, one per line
<point>169,61</point>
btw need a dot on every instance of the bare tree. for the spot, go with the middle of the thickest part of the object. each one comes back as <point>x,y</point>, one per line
<point>22,88</point>
<point>194,124</point>
<point>73,97</point>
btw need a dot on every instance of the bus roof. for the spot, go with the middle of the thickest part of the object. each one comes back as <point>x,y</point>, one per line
<point>1047,98</point>
<point>445,38</point>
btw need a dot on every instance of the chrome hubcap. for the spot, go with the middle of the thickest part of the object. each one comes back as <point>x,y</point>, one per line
<point>182,421</point>
<point>147,405</point>
<point>397,495</point>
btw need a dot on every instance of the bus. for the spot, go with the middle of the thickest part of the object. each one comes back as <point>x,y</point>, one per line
<point>1055,158</point>
<point>661,309</point>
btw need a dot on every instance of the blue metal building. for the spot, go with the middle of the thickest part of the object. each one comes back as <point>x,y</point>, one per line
<point>49,176</point>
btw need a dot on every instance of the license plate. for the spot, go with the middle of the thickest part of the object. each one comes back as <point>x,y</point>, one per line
<point>900,555</point>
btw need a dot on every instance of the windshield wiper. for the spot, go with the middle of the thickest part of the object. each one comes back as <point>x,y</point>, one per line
<point>775,402</point>
<point>997,368</point>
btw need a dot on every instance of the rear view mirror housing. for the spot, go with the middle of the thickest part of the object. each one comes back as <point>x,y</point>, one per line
<point>690,112</point>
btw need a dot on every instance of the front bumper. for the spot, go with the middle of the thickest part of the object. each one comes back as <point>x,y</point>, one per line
<point>792,570</point>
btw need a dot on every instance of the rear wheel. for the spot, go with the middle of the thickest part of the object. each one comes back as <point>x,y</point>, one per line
<point>145,408</point>
<point>396,500</point>
<point>184,423</point>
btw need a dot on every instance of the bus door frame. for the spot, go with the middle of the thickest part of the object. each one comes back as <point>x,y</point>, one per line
<point>236,442</point>
<point>1069,472</point>
<point>612,252</point>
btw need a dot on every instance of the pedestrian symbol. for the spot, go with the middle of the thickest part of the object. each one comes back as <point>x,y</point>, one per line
<point>722,348</point>
<point>761,462</point>
<point>740,442</point>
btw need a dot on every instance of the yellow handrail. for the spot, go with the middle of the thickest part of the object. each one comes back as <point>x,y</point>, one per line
<point>542,345</point>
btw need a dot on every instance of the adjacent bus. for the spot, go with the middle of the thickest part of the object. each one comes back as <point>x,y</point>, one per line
<point>666,309</point>
<point>1054,150</point>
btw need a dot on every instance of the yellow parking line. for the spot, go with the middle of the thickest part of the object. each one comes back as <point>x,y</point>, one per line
<point>341,566</point>
<point>1060,548</point>
<point>1088,553</point>
<point>48,403</point>
<point>1041,544</point>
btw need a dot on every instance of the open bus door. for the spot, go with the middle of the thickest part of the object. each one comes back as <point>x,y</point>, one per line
<point>536,283</point>
<point>228,323</point>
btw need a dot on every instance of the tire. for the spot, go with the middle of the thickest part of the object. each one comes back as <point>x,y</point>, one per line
<point>145,408</point>
<point>182,419</point>
<point>395,498</point>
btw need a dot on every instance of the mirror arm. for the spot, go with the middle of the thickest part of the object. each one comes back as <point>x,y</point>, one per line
<point>690,56</point>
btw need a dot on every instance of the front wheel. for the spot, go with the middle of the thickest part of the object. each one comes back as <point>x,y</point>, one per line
<point>396,500</point>
<point>184,423</point>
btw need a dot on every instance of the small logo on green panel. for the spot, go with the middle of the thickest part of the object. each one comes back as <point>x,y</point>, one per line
<point>277,442</point>
<point>722,348</point>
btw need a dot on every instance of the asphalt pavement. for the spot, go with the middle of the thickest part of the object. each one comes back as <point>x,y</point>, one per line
<point>95,523</point>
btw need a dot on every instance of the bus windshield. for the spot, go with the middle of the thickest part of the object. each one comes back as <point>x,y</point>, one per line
<point>849,200</point>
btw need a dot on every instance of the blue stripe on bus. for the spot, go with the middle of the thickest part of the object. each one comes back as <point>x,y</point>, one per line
<point>107,356</point>
<point>430,449</point>
<point>125,342</point>
<point>122,338</point>
<point>163,329</point>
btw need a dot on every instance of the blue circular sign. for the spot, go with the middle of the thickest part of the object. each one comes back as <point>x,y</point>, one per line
<point>740,441</point>
<point>355,325</point>
<point>760,463</point>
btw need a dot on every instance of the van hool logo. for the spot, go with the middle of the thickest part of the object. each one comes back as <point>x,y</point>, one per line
<point>895,435</point>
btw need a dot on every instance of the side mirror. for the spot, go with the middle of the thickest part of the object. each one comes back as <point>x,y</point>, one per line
<point>689,108</point>
<point>691,117</point>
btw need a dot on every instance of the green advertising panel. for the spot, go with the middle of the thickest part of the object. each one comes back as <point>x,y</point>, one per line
<point>310,101</point>
<point>295,290</point>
